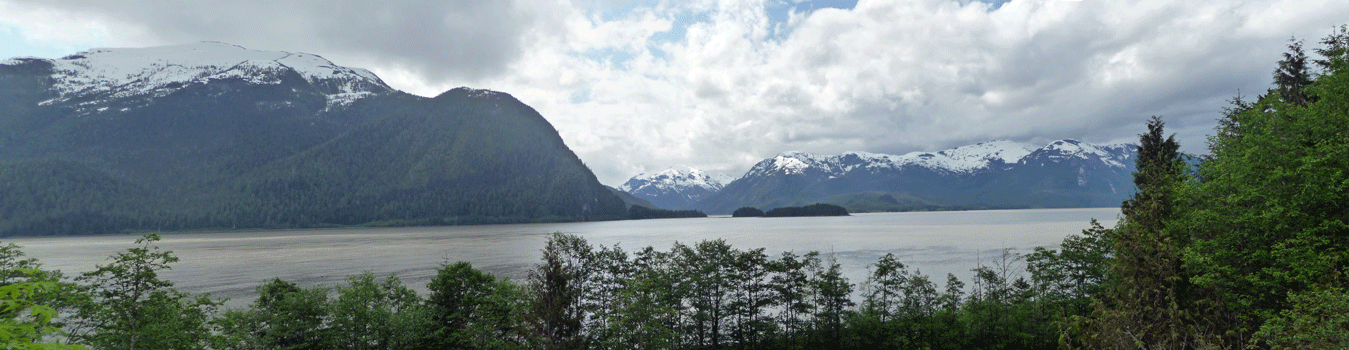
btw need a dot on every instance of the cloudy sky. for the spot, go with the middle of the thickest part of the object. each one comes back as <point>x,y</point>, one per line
<point>638,86</point>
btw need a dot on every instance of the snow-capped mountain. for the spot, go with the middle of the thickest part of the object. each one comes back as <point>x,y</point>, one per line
<point>93,78</point>
<point>210,135</point>
<point>674,188</point>
<point>1064,173</point>
<point>960,160</point>
<point>1116,155</point>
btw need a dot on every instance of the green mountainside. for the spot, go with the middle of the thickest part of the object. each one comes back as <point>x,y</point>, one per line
<point>231,153</point>
<point>631,200</point>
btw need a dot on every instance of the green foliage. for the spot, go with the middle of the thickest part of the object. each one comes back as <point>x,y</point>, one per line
<point>1268,217</point>
<point>1075,273</point>
<point>1249,249</point>
<point>898,307</point>
<point>556,312</point>
<point>373,314</point>
<point>643,319</point>
<point>833,300</point>
<point>706,295</point>
<point>26,322</point>
<point>474,310</point>
<point>1335,53</point>
<point>131,308</point>
<point>285,316</point>
<point>1150,304</point>
<point>1294,75</point>
<point>30,300</point>
<point>1317,320</point>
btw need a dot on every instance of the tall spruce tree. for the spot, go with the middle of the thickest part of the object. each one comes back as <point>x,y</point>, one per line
<point>1335,52</point>
<point>1293,75</point>
<point>1146,306</point>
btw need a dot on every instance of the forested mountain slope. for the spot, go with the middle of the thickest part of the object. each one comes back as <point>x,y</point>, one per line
<point>210,135</point>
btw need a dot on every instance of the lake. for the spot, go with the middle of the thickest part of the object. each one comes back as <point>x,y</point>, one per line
<point>232,264</point>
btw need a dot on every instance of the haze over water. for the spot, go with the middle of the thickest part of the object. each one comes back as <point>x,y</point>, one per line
<point>232,264</point>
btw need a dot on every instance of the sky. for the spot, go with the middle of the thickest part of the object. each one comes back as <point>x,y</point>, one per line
<point>640,86</point>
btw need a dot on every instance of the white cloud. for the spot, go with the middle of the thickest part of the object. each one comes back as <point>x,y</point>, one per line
<point>717,85</point>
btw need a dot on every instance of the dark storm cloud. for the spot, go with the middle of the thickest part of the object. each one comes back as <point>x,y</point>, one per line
<point>439,40</point>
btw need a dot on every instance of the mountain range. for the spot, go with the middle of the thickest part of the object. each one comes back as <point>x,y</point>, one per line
<point>214,136</point>
<point>211,135</point>
<point>996,174</point>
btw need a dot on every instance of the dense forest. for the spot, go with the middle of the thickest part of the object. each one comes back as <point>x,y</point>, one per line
<point>1248,250</point>
<point>638,212</point>
<point>817,209</point>
<point>878,202</point>
<point>747,212</point>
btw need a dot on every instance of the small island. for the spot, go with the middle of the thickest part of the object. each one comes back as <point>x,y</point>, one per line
<point>747,212</point>
<point>817,209</point>
<point>639,213</point>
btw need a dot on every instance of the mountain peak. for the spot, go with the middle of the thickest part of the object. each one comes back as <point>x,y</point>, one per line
<point>472,92</point>
<point>1114,155</point>
<point>675,187</point>
<point>113,73</point>
<point>985,154</point>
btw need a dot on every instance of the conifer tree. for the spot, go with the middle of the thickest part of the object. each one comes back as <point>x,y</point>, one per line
<point>1146,307</point>
<point>1268,219</point>
<point>1293,77</point>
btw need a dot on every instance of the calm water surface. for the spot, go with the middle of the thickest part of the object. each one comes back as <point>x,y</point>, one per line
<point>232,264</point>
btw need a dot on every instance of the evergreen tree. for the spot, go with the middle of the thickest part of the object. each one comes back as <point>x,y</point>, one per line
<point>1293,75</point>
<point>373,314</point>
<point>1335,53</point>
<point>1147,306</point>
<point>472,309</point>
<point>1268,218</point>
<point>556,316</point>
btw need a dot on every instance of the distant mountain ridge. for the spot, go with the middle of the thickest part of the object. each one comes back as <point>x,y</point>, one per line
<point>211,135</point>
<point>1063,173</point>
<point>675,188</point>
<point>96,77</point>
<point>966,159</point>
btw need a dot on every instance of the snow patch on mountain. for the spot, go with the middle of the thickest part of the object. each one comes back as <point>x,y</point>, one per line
<point>675,178</point>
<point>1111,155</point>
<point>789,165</point>
<point>158,71</point>
<point>723,179</point>
<point>981,155</point>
